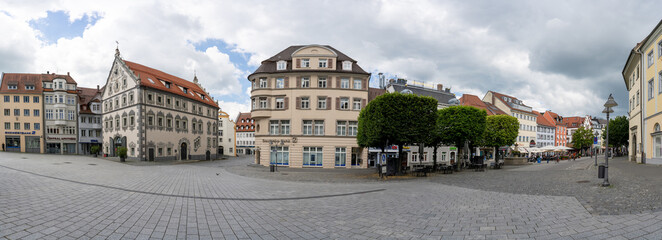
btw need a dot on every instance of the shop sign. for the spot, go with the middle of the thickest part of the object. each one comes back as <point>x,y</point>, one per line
<point>29,133</point>
<point>280,141</point>
<point>61,138</point>
<point>453,148</point>
<point>94,141</point>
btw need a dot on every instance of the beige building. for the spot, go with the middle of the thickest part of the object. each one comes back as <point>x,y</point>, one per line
<point>61,114</point>
<point>157,116</point>
<point>22,120</point>
<point>524,114</point>
<point>226,135</point>
<point>306,102</point>
<point>632,76</point>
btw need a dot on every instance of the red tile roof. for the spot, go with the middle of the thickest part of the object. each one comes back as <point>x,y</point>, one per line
<point>85,96</point>
<point>541,120</point>
<point>247,124</point>
<point>474,101</point>
<point>146,73</point>
<point>577,121</point>
<point>500,96</point>
<point>22,79</point>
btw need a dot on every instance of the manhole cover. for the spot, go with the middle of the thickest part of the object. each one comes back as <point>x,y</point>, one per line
<point>583,181</point>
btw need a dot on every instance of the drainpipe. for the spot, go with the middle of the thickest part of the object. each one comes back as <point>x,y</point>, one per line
<point>643,105</point>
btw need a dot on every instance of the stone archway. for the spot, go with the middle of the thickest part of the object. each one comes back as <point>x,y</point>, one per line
<point>184,148</point>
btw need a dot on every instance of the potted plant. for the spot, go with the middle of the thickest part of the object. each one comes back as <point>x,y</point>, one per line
<point>95,150</point>
<point>121,152</point>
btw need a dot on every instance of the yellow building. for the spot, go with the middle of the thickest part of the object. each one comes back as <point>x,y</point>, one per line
<point>22,120</point>
<point>632,76</point>
<point>650,51</point>
<point>512,106</point>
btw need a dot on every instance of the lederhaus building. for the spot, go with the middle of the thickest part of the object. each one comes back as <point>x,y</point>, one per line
<point>157,116</point>
<point>22,120</point>
<point>306,102</point>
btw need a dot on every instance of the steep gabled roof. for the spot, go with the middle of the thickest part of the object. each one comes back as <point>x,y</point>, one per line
<point>541,120</point>
<point>246,124</point>
<point>150,77</point>
<point>85,96</point>
<point>475,101</point>
<point>500,96</point>
<point>573,122</point>
<point>31,79</point>
<point>554,116</point>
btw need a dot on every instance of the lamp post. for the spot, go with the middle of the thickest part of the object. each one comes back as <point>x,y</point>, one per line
<point>595,151</point>
<point>608,109</point>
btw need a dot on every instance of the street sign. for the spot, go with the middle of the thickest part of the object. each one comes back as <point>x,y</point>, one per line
<point>383,158</point>
<point>595,140</point>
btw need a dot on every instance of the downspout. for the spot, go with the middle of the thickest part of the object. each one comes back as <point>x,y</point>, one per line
<point>643,106</point>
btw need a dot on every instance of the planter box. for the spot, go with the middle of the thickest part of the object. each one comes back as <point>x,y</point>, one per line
<point>515,161</point>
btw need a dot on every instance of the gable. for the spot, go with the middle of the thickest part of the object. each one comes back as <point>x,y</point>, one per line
<point>120,78</point>
<point>314,50</point>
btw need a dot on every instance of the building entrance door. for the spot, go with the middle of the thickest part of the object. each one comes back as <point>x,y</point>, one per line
<point>182,150</point>
<point>208,155</point>
<point>150,154</point>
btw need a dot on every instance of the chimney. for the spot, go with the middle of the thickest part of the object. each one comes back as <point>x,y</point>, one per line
<point>48,72</point>
<point>97,87</point>
<point>68,74</point>
<point>440,87</point>
<point>448,90</point>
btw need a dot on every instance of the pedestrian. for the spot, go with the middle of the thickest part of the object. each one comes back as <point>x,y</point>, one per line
<point>557,159</point>
<point>548,160</point>
<point>539,159</point>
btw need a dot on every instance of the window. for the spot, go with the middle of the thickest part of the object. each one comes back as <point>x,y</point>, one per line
<point>341,129</point>
<point>149,97</point>
<point>29,87</point>
<point>280,83</point>
<point>49,114</point>
<point>319,127</point>
<point>353,128</point>
<point>341,156</point>
<point>657,152</point>
<point>637,98</point>
<point>650,58</point>
<point>83,133</point>
<point>357,83</point>
<point>307,127</point>
<point>26,99</point>
<point>280,103</point>
<point>6,98</point>
<point>263,103</point>
<point>158,99</point>
<point>37,126</point>
<point>26,112</point>
<point>263,82</point>
<point>312,156</point>
<point>347,65</point>
<point>169,123</point>
<point>26,126</point>
<point>305,103</point>
<point>17,112</point>
<point>7,112</point>
<point>167,84</point>
<point>60,99</point>
<point>279,155</point>
<point>72,100</point>
<point>70,115</point>
<point>305,62</point>
<point>281,65</point>
<point>17,126</point>
<point>150,120</point>
<point>160,121</point>
<point>659,49</point>
<point>356,104</point>
<point>185,90</point>
<point>650,89</point>
<point>17,99</point>
<point>160,151</point>
<point>344,83</point>
<point>7,125</point>
<point>273,127</point>
<point>321,82</point>
<point>322,62</point>
<point>12,87</point>
<point>344,103</point>
<point>659,82</point>
<point>305,82</point>
<point>285,127</point>
<point>321,103</point>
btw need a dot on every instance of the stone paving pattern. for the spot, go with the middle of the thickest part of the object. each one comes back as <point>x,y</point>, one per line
<point>75,197</point>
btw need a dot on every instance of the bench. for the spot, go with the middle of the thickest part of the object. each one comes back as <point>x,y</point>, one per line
<point>446,169</point>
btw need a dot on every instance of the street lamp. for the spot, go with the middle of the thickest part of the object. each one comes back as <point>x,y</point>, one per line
<point>595,151</point>
<point>608,109</point>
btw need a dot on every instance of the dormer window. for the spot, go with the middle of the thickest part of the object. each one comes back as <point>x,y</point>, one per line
<point>29,87</point>
<point>281,65</point>
<point>167,84</point>
<point>12,87</point>
<point>305,63</point>
<point>347,65</point>
<point>322,63</point>
<point>185,90</point>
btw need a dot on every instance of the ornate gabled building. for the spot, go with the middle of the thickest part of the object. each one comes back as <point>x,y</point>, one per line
<point>157,116</point>
<point>306,102</point>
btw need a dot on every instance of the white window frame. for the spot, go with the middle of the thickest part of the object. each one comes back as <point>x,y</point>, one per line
<point>281,65</point>
<point>305,62</point>
<point>280,103</point>
<point>344,83</point>
<point>321,103</point>
<point>305,82</point>
<point>347,65</point>
<point>263,83</point>
<point>322,82</point>
<point>305,102</point>
<point>344,103</point>
<point>280,83</point>
<point>356,105</point>
<point>341,128</point>
<point>357,84</point>
<point>650,58</point>
<point>322,63</point>
<point>318,127</point>
<point>307,127</point>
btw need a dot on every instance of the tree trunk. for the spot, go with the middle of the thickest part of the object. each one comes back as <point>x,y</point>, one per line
<point>420,153</point>
<point>434,158</point>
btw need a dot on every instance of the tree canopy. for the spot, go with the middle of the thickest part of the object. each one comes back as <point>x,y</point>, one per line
<point>582,138</point>
<point>458,124</point>
<point>619,128</point>
<point>500,130</point>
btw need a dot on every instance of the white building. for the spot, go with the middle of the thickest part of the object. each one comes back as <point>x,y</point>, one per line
<point>61,114</point>
<point>226,135</point>
<point>546,131</point>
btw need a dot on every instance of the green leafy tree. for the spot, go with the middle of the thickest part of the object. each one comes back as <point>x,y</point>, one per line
<point>458,125</point>
<point>582,138</point>
<point>398,119</point>
<point>500,130</point>
<point>618,132</point>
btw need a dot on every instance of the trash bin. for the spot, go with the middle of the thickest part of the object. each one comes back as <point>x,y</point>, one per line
<point>272,168</point>
<point>601,171</point>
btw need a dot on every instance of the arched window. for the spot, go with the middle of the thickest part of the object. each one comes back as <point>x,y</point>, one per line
<point>656,128</point>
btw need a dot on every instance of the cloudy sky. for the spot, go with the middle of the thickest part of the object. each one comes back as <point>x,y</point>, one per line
<point>564,56</point>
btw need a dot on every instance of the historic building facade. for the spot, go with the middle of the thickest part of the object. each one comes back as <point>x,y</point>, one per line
<point>22,120</point>
<point>632,72</point>
<point>545,131</point>
<point>90,125</point>
<point>524,114</point>
<point>560,138</point>
<point>226,135</point>
<point>305,103</point>
<point>245,129</point>
<point>157,116</point>
<point>60,114</point>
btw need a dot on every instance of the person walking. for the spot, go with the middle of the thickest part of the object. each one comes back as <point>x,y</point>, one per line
<point>547,160</point>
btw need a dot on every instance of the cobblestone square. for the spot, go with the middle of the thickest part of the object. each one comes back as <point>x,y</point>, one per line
<point>76,197</point>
